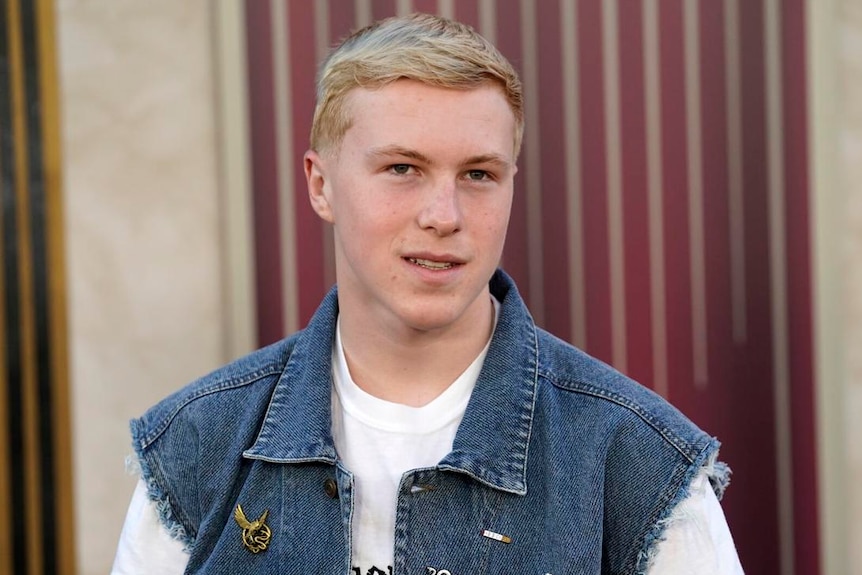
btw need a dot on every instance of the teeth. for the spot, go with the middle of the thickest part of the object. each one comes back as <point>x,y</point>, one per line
<point>431,265</point>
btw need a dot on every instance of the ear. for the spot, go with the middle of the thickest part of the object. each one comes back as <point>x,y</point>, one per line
<point>318,185</point>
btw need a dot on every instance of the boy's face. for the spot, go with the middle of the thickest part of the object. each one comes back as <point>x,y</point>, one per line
<point>419,193</point>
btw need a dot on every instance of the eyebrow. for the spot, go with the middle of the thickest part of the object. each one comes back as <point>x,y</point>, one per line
<point>495,159</point>
<point>388,151</point>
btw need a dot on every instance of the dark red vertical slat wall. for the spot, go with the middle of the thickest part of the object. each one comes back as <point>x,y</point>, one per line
<point>638,288</point>
<point>342,20</point>
<point>264,171</point>
<point>427,6</point>
<point>719,414</point>
<point>717,403</point>
<point>308,232</point>
<point>509,42</point>
<point>794,90</point>
<point>594,179</point>
<point>674,166</point>
<point>736,402</point>
<point>555,226</point>
<point>467,11</point>
<point>716,217</point>
<point>755,469</point>
<point>382,8</point>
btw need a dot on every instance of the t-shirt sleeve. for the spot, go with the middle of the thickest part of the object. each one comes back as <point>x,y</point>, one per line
<point>145,545</point>
<point>697,538</point>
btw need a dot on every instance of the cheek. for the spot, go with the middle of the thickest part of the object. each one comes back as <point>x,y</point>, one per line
<point>496,218</point>
<point>366,228</point>
<point>391,209</point>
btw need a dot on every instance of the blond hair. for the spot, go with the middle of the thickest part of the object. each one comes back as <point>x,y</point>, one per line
<point>422,47</point>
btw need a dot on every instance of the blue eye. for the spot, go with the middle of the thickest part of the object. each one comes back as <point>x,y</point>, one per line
<point>400,169</point>
<point>477,175</point>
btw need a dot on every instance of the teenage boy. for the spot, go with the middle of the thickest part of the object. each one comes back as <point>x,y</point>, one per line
<point>421,423</point>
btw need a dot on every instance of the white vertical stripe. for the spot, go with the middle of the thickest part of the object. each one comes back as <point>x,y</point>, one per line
<point>696,243</point>
<point>403,7</point>
<point>614,166</point>
<point>488,20</point>
<point>321,29</point>
<point>736,207</point>
<point>364,13</point>
<point>532,151</point>
<point>235,180</point>
<point>572,130</point>
<point>778,279</point>
<point>322,45</point>
<point>446,8</point>
<point>284,159</point>
<point>652,97</point>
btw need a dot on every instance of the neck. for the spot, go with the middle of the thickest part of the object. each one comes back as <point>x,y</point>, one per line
<point>413,367</point>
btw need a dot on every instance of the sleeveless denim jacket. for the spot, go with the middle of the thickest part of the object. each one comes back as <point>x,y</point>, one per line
<point>561,465</point>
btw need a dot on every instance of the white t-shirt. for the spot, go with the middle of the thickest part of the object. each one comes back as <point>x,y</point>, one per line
<point>378,441</point>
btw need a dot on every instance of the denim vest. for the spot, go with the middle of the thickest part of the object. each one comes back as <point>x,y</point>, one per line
<point>561,465</point>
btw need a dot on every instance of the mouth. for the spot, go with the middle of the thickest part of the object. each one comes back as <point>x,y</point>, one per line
<point>432,264</point>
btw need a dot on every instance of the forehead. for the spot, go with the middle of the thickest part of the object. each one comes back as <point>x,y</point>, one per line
<point>411,113</point>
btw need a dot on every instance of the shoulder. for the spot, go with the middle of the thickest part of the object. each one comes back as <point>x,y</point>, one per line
<point>578,378</point>
<point>189,445</point>
<point>246,380</point>
<point>644,450</point>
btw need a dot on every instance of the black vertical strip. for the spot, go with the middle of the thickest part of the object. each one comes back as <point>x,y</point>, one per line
<point>39,246</point>
<point>13,376</point>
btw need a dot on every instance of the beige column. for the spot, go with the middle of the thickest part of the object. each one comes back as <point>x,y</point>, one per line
<point>145,236</point>
<point>835,132</point>
<point>850,142</point>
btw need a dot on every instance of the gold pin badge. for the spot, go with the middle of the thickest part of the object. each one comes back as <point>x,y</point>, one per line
<point>255,534</point>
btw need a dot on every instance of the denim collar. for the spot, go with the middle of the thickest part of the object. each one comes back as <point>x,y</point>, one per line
<point>492,441</point>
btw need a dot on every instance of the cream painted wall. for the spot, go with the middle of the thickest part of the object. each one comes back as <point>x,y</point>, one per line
<point>141,195</point>
<point>850,85</point>
<point>835,98</point>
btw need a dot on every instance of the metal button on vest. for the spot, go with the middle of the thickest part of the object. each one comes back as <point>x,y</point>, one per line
<point>330,487</point>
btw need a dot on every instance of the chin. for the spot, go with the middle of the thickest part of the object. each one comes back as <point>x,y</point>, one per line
<point>430,319</point>
<point>429,324</point>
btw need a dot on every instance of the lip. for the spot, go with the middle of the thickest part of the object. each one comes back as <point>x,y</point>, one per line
<point>441,269</point>
<point>434,258</point>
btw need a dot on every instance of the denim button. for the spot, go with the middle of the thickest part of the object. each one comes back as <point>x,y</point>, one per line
<point>330,488</point>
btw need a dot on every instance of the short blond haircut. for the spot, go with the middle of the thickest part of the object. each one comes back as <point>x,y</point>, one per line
<point>421,47</point>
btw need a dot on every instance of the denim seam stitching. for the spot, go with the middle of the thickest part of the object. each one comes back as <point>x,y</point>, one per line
<point>532,414</point>
<point>681,445</point>
<point>216,387</point>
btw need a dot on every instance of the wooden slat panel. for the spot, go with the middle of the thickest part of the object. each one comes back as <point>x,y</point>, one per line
<point>5,460</point>
<point>63,507</point>
<point>29,404</point>
<point>35,452</point>
<point>14,471</point>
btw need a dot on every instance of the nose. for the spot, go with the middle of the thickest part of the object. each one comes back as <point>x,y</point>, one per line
<point>441,212</point>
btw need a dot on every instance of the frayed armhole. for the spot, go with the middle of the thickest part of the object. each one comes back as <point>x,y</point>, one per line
<point>718,474</point>
<point>132,467</point>
<point>138,465</point>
